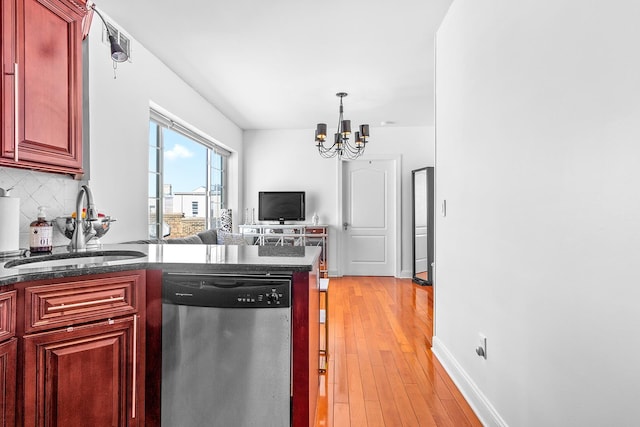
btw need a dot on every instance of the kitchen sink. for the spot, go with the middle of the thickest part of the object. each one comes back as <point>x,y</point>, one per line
<point>84,259</point>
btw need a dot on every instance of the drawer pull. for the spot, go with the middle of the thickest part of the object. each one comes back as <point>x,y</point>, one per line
<point>85,304</point>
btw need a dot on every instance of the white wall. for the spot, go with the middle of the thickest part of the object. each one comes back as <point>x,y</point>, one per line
<point>119,110</point>
<point>538,141</point>
<point>288,160</point>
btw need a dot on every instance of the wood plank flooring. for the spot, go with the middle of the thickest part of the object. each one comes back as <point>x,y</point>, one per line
<point>381,371</point>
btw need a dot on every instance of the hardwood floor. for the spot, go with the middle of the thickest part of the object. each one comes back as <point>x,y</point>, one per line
<point>381,371</point>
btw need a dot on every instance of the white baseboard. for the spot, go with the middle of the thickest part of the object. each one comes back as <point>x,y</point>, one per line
<point>405,274</point>
<point>483,408</point>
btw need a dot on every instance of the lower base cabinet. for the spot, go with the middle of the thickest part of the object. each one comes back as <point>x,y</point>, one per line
<point>81,351</point>
<point>8,358</point>
<point>84,376</point>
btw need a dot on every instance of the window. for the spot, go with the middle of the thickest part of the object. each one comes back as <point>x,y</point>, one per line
<point>186,172</point>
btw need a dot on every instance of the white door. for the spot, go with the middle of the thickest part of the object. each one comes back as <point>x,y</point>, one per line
<point>369,218</point>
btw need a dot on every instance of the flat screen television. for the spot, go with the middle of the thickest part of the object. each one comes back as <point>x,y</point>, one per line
<point>281,206</point>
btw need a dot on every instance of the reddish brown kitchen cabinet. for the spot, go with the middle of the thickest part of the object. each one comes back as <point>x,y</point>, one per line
<point>81,376</point>
<point>8,358</point>
<point>41,89</point>
<point>7,86</point>
<point>83,351</point>
<point>305,342</point>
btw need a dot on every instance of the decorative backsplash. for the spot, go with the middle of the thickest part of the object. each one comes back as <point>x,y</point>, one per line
<point>56,192</point>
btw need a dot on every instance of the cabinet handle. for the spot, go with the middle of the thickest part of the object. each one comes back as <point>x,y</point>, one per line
<point>85,303</point>
<point>16,111</point>
<point>135,365</point>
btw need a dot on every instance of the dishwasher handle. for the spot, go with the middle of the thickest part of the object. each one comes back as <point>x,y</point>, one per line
<point>222,283</point>
<point>202,285</point>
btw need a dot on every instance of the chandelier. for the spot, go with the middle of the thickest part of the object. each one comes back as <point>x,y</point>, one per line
<point>341,146</point>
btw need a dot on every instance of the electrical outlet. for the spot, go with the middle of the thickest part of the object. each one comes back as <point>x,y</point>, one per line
<point>481,350</point>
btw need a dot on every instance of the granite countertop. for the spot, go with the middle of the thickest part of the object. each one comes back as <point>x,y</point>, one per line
<point>197,258</point>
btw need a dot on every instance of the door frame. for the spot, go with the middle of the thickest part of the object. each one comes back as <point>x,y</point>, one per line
<point>396,159</point>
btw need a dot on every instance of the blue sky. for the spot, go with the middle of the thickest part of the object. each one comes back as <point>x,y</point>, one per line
<point>185,162</point>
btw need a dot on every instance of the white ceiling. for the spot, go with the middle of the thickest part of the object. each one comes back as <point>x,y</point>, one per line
<point>277,64</point>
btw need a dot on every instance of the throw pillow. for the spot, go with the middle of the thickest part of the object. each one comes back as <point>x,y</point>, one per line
<point>209,237</point>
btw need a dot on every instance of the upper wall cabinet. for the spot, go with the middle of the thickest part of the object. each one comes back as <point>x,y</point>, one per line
<point>41,89</point>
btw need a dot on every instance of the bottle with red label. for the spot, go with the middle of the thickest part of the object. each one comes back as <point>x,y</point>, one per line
<point>41,238</point>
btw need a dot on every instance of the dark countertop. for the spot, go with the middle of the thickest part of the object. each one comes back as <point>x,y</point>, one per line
<point>195,258</point>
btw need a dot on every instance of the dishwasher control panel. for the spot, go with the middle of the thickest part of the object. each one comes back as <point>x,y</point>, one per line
<point>226,291</point>
<point>263,297</point>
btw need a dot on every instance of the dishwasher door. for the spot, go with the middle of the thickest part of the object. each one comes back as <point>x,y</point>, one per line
<point>226,351</point>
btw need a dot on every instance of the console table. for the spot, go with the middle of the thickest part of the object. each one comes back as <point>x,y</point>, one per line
<point>289,235</point>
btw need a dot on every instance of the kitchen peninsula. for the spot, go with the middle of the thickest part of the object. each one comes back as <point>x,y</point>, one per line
<point>54,317</point>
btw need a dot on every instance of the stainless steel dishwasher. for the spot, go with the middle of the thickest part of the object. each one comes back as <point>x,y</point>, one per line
<point>226,350</point>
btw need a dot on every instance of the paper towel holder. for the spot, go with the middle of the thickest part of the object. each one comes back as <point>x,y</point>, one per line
<point>11,252</point>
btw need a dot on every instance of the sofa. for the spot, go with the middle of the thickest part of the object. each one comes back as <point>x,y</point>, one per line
<point>208,237</point>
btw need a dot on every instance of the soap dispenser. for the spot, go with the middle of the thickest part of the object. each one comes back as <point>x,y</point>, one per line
<point>41,233</point>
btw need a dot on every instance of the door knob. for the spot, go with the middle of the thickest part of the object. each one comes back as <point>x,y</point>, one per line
<point>345,225</point>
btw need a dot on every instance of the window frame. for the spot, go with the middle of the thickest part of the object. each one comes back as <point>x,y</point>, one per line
<point>213,149</point>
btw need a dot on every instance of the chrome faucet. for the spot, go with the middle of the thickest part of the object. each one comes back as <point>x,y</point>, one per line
<point>83,231</point>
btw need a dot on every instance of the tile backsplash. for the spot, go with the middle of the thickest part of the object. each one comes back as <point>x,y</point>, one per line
<point>56,192</point>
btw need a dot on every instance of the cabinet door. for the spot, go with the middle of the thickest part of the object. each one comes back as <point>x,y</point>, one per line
<point>8,382</point>
<point>6,117</point>
<point>8,58</point>
<point>49,83</point>
<point>84,376</point>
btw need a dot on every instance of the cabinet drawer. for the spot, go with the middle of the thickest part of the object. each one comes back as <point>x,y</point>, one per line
<point>315,230</point>
<point>73,302</point>
<point>7,315</point>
